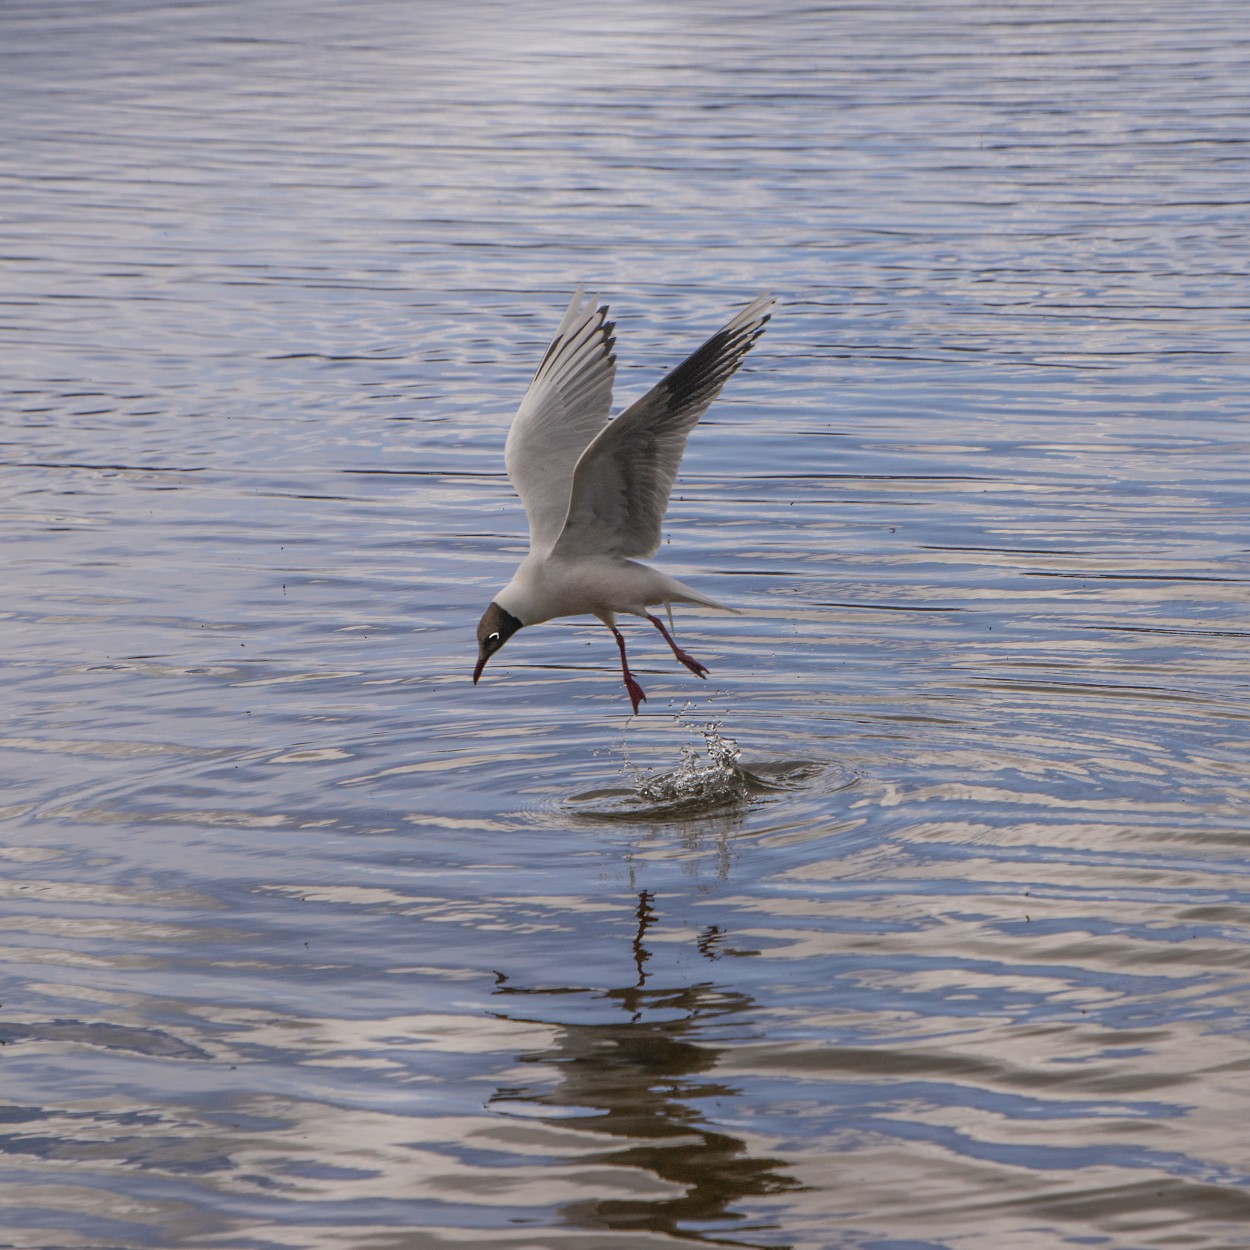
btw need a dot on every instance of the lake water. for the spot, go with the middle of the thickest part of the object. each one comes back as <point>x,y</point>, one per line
<point>307,942</point>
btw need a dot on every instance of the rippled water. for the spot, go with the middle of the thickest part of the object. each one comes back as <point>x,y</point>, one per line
<point>924,923</point>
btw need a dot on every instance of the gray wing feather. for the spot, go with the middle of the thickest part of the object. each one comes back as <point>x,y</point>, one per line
<point>622,483</point>
<point>566,405</point>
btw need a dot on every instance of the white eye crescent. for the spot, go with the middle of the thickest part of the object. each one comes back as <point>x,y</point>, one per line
<point>492,637</point>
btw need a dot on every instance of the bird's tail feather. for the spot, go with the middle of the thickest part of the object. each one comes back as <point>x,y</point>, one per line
<point>679,593</point>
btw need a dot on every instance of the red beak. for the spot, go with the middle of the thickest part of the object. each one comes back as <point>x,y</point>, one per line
<point>477,672</point>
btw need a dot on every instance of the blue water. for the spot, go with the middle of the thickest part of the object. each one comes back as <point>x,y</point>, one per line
<point>921,924</point>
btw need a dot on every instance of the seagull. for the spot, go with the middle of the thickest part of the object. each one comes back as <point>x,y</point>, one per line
<point>595,491</point>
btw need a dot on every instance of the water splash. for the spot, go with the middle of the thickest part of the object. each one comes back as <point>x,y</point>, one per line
<point>714,774</point>
<point>710,777</point>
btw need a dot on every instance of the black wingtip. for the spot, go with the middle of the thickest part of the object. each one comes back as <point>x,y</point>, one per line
<point>709,368</point>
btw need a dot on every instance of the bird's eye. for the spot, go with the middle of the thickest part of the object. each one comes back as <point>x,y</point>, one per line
<point>492,637</point>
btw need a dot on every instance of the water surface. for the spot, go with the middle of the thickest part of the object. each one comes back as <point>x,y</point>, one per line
<point>922,924</point>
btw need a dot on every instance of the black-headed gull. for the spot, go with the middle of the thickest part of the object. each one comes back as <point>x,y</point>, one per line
<point>595,491</point>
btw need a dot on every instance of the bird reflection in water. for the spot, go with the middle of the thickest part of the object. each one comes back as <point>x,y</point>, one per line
<point>640,1079</point>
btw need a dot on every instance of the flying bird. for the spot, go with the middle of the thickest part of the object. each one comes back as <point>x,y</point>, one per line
<point>595,490</point>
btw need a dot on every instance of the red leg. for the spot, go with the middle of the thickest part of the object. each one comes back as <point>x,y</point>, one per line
<point>699,670</point>
<point>632,688</point>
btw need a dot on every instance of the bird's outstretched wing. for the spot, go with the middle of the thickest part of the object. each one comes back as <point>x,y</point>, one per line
<point>566,405</point>
<point>623,480</point>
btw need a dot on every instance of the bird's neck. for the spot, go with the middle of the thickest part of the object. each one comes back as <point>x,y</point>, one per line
<point>521,596</point>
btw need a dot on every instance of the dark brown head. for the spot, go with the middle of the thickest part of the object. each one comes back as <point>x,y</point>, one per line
<point>493,630</point>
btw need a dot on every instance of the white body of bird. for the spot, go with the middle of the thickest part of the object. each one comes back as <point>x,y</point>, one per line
<point>544,588</point>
